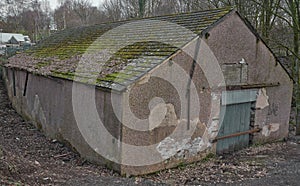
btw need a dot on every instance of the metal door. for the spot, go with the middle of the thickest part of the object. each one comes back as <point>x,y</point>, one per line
<point>235,120</point>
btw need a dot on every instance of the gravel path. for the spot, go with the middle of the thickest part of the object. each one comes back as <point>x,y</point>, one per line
<point>27,157</point>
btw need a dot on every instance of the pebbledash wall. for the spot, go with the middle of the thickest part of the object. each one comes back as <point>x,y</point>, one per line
<point>246,62</point>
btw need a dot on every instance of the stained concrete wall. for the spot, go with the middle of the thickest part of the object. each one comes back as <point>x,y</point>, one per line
<point>48,104</point>
<point>168,136</point>
<point>232,41</point>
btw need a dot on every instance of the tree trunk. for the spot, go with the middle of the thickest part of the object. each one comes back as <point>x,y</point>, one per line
<point>297,100</point>
<point>296,44</point>
<point>295,13</point>
<point>142,7</point>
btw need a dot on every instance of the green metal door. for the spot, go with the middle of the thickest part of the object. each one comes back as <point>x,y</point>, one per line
<point>235,119</point>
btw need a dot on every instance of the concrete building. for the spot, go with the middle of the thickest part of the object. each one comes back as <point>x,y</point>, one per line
<point>167,90</point>
<point>13,38</point>
<point>10,43</point>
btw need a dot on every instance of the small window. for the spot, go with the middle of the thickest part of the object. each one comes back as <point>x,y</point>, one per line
<point>235,74</point>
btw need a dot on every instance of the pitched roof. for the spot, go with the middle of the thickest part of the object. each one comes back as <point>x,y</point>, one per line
<point>5,37</point>
<point>19,37</point>
<point>125,51</point>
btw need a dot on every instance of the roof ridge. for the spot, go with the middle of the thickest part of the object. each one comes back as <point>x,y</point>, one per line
<point>192,12</point>
<point>228,8</point>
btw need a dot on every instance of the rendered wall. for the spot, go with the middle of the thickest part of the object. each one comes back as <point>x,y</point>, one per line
<point>48,104</point>
<point>232,41</point>
<point>166,135</point>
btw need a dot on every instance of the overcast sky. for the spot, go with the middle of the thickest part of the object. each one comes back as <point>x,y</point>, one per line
<point>54,3</point>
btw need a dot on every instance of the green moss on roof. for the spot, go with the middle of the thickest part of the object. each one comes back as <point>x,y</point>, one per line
<point>69,42</point>
<point>65,75</point>
<point>76,41</point>
<point>128,63</point>
<point>43,64</point>
<point>150,48</point>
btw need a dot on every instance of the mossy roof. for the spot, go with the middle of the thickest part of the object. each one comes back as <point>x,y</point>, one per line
<point>114,55</point>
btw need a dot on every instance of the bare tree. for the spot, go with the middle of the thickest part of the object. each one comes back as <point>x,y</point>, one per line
<point>83,9</point>
<point>73,13</point>
<point>292,10</point>
<point>30,17</point>
<point>113,9</point>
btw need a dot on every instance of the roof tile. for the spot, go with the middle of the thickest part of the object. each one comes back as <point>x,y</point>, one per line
<point>124,51</point>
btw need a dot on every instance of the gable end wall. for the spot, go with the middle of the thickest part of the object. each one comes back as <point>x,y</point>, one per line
<point>232,41</point>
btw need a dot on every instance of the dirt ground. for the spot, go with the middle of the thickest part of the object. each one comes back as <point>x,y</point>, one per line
<point>27,157</point>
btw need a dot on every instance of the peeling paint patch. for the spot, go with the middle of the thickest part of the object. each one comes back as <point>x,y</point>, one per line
<point>170,147</point>
<point>268,129</point>
<point>213,130</point>
<point>195,145</point>
<point>262,99</point>
<point>214,96</point>
<point>162,115</point>
<point>157,115</point>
